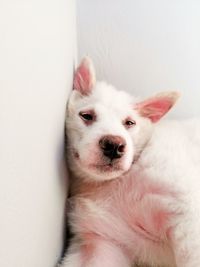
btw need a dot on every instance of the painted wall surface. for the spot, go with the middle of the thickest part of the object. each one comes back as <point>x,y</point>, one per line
<point>37,49</point>
<point>145,46</point>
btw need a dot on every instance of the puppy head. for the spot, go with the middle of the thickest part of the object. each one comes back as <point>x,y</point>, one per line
<point>107,129</point>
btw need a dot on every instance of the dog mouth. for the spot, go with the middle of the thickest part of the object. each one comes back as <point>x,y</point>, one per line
<point>108,167</point>
<point>101,165</point>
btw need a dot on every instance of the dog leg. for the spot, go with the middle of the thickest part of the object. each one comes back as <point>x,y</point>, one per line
<point>99,253</point>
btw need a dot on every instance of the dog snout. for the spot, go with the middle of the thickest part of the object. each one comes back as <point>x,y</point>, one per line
<point>112,146</point>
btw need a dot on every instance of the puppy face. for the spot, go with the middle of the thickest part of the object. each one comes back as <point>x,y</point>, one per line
<point>107,129</point>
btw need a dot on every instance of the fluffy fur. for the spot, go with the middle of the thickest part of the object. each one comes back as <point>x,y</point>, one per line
<point>144,207</point>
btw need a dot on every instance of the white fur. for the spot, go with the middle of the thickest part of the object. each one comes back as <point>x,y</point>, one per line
<point>166,153</point>
<point>111,107</point>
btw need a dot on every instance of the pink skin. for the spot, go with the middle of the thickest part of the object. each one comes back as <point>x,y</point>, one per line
<point>78,82</point>
<point>97,253</point>
<point>84,79</point>
<point>156,108</point>
<point>113,239</point>
<point>147,222</point>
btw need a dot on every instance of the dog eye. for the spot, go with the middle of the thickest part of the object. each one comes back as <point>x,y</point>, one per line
<point>88,117</point>
<point>129,123</point>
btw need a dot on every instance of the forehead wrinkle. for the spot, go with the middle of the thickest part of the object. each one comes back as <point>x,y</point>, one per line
<point>105,96</point>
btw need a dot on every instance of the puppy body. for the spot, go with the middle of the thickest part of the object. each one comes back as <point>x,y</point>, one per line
<point>142,207</point>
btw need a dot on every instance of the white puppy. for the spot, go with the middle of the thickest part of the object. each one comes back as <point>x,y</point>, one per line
<point>135,181</point>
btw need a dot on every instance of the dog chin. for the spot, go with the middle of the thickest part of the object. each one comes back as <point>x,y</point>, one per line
<point>104,175</point>
<point>103,172</point>
<point>99,170</point>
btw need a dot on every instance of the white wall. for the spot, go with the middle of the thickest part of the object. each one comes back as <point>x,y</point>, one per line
<point>145,46</point>
<point>37,48</point>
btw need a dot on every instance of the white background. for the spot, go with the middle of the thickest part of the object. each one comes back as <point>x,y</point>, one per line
<point>145,46</point>
<point>37,48</point>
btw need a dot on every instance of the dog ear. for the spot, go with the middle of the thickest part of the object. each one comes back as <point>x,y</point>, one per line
<point>84,78</point>
<point>156,107</point>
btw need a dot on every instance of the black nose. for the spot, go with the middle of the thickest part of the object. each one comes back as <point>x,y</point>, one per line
<point>113,147</point>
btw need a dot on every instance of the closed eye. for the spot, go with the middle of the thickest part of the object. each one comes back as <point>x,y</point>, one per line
<point>88,116</point>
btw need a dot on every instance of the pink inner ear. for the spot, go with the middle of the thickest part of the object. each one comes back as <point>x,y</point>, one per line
<point>84,77</point>
<point>156,108</point>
